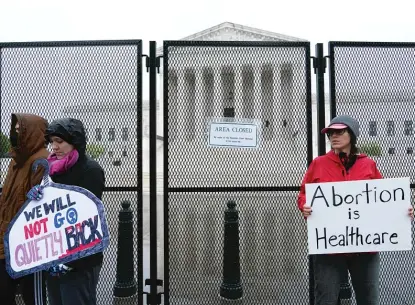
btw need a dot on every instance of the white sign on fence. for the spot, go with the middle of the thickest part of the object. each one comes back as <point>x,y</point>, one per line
<point>359,216</point>
<point>231,134</point>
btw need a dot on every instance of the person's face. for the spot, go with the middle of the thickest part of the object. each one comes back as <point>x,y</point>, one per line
<point>14,135</point>
<point>60,147</point>
<point>339,138</point>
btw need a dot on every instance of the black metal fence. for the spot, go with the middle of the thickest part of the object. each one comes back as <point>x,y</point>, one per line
<point>267,82</point>
<point>375,83</point>
<point>188,213</point>
<point>99,83</point>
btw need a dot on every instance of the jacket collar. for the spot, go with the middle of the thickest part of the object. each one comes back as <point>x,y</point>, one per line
<point>335,157</point>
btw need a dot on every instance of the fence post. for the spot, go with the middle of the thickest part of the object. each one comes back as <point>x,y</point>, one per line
<point>320,65</point>
<point>125,285</point>
<point>231,287</point>
<point>320,69</point>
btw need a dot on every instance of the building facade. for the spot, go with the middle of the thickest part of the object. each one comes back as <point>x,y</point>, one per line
<point>387,127</point>
<point>265,85</point>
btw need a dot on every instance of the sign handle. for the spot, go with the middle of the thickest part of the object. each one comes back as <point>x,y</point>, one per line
<point>45,164</point>
<point>38,282</point>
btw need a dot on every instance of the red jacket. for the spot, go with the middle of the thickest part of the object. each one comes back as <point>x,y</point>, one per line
<point>329,168</point>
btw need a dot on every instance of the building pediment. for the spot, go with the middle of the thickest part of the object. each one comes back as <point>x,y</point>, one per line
<point>229,31</point>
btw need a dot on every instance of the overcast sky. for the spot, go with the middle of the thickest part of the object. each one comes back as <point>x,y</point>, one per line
<point>317,21</point>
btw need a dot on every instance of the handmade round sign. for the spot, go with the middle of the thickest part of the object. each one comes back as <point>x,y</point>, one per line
<point>68,223</point>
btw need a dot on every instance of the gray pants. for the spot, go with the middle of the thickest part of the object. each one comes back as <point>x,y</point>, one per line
<point>364,272</point>
<point>76,287</point>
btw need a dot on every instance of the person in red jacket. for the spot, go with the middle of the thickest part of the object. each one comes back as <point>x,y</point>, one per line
<point>343,163</point>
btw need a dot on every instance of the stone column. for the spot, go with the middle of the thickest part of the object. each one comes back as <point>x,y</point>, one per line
<point>238,96</point>
<point>211,236</point>
<point>199,108</point>
<point>174,104</point>
<point>208,78</point>
<point>256,96</point>
<point>189,105</point>
<point>287,89</point>
<point>273,257</point>
<point>217,93</point>
<point>267,103</point>
<point>248,92</point>
<point>228,90</point>
<point>249,232</point>
<point>184,237</point>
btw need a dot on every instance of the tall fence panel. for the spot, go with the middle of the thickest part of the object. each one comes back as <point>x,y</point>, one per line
<point>375,83</point>
<point>98,82</point>
<point>236,82</point>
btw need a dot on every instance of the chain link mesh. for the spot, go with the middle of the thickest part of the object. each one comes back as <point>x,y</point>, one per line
<point>101,86</point>
<point>375,83</point>
<point>268,84</point>
<point>214,81</point>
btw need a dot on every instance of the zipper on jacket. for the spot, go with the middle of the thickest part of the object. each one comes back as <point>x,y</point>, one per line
<point>345,174</point>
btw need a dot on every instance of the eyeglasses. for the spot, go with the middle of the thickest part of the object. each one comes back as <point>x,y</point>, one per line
<point>336,131</point>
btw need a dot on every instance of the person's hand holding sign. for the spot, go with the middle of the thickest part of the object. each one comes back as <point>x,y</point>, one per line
<point>36,193</point>
<point>306,211</point>
<point>411,212</point>
<point>59,270</point>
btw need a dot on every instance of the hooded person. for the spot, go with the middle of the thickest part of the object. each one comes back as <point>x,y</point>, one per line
<point>343,163</point>
<point>74,282</point>
<point>27,139</point>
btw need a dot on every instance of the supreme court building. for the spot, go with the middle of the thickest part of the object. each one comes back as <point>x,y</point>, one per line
<point>250,84</point>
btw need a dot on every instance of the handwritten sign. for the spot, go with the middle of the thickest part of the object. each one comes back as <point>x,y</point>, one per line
<point>68,223</point>
<point>359,216</point>
<point>233,134</point>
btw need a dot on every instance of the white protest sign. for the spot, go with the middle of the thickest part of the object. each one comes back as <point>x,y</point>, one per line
<point>233,134</point>
<point>359,216</point>
<point>68,223</point>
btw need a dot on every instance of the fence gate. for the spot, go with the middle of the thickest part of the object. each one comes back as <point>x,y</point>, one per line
<point>262,85</point>
<point>374,82</point>
<point>237,140</point>
<point>98,82</point>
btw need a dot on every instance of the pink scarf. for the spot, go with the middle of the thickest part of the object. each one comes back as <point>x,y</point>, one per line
<point>57,166</point>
